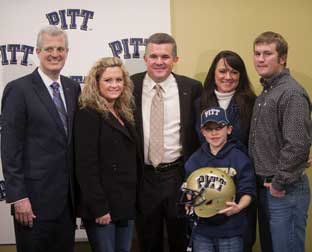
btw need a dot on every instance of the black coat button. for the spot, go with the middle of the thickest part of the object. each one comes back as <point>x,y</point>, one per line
<point>114,166</point>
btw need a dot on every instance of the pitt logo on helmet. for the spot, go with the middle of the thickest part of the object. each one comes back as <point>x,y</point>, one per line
<point>210,181</point>
<point>207,190</point>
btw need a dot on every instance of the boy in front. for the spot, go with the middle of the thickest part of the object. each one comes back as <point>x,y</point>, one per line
<point>222,232</point>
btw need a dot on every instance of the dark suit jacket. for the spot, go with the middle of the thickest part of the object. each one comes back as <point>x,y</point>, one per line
<point>189,90</point>
<point>37,156</point>
<point>106,166</point>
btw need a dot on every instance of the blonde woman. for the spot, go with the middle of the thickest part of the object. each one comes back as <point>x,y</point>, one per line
<point>106,156</point>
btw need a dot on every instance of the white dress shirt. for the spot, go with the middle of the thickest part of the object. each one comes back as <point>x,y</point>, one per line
<point>48,81</point>
<point>172,122</point>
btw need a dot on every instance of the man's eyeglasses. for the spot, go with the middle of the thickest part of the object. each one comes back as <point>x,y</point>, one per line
<point>51,49</point>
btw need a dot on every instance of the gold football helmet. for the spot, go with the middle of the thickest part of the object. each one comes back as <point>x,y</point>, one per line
<point>206,190</point>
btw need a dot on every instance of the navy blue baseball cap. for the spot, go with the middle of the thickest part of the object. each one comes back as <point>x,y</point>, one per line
<point>214,114</point>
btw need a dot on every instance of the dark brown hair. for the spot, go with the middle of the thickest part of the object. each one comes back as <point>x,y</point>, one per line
<point>244,96</point>
<point>162,38</point>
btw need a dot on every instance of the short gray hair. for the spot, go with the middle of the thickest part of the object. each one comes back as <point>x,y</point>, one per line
<point>51,30</point>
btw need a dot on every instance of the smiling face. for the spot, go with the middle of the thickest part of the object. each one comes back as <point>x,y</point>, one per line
<point>52,55</point>
<point>216,135</point>
<point>111,84</point>
<point>226,77</point>
<point>159,61</point>
<point>267,61</point>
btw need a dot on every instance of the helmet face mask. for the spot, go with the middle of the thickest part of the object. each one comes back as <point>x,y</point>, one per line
<point>191,197</point>
<point>207,190</point>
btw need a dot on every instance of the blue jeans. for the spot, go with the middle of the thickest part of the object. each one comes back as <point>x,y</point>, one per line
<point>206,244</point>
<point>109,238</point>
<point>288,216</point>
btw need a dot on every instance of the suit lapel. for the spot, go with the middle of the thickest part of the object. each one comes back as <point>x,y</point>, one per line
<point>46,99</point>
<point>138,87</point>
<point>68,94</point>
<point>184,103</point>
<point>113,122</point>
<point>131,131</point>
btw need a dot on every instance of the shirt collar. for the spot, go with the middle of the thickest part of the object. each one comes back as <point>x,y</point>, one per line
<point>274,79</point>
<point>165,85</point>
<point>47,80</point>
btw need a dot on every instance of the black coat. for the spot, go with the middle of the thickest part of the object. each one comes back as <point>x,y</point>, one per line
<point>106,166</point>
<point>37,156</point>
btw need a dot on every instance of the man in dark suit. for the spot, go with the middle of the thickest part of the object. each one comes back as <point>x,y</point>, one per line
<point>174,95</point>
<point>37,151</point>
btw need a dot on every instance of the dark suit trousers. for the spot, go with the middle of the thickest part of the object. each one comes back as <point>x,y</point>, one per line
<point>158,206</point>
<point>47,235</point>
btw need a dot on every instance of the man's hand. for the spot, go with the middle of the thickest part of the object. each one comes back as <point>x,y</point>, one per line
<point>23,213</point>
<point>274,192</point>
<point>103,220</point>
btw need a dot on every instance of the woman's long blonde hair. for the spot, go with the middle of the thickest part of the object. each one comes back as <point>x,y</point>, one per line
<point>91,97</point>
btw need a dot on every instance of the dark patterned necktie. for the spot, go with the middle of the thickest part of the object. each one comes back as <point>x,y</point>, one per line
<point>156,141</point>
<point>59,104</point>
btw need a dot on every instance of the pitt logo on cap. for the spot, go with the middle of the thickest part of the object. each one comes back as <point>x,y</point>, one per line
<point>212,112</point>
